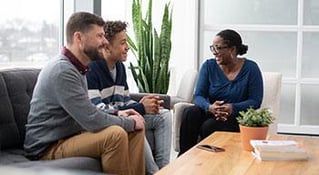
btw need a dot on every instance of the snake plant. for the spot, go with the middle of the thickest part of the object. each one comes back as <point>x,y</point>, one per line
<point>151,50</point>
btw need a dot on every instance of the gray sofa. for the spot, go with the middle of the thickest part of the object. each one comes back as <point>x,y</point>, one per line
<point>16,88</point>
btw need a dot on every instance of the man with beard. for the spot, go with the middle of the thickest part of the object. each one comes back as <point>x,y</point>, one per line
<point>63,122</point>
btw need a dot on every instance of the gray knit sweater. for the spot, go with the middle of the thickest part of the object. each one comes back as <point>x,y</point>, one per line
<point>60,108</point>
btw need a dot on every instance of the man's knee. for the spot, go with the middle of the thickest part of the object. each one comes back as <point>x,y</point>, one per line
<point>115,133</point>
<point>165,113</point>
<point>165,117</point>
<point>138,136</point>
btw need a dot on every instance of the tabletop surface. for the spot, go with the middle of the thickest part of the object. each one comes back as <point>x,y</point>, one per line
<point>238,162</point>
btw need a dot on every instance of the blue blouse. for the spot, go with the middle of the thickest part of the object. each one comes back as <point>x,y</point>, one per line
<point>244,91</point>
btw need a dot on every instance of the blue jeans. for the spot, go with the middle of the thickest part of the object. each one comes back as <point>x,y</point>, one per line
<point>150,165</point>
<point>161,124</point>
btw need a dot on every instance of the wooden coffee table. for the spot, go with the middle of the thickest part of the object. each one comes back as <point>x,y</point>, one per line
<point>236,161</point>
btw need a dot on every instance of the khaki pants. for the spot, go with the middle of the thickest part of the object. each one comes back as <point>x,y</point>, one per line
<point>120,152</point>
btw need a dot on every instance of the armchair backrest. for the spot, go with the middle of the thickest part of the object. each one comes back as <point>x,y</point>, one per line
<point>185,89</point>
<point>271,100</point>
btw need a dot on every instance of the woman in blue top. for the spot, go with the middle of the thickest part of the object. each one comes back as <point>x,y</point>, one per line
<point>226,85</point>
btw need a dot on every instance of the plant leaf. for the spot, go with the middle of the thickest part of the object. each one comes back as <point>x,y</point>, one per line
<point>151,51</point>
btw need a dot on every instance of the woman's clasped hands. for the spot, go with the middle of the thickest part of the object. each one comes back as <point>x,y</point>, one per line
<point>221,110</point>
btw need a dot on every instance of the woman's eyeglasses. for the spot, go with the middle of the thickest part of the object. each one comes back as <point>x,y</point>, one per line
<point>217,49</point>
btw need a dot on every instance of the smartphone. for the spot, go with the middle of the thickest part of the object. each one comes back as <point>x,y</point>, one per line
<point>211,148</point>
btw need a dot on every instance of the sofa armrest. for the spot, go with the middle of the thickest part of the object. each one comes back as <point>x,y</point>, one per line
<point>166,98</point>
<point>177,120</point>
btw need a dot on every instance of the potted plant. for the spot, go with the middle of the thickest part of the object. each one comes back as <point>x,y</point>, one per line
<point>253,124</point>
<point>151,49</point>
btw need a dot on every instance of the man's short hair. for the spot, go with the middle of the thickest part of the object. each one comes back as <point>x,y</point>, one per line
<point>111,28</point>
<point>82,22</point>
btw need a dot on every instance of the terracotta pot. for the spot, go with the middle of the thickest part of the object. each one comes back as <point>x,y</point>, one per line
<point>249,133</point>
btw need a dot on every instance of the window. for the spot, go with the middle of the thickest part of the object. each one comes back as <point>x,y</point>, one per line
<point>282,36</point>
<point>29,33</point>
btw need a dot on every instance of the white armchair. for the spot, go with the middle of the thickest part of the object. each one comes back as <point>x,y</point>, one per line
<point>186,88</point>
<point>271,100</point>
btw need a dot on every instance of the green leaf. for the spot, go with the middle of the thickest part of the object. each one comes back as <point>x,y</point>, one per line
<point>255,118</point>
<point>151,50</point>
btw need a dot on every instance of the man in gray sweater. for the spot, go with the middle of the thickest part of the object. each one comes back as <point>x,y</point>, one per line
<point>63,122</point>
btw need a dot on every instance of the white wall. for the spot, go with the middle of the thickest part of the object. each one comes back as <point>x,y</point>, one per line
<point>184,40</point>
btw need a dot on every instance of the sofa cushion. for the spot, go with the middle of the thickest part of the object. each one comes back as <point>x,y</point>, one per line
<point>10,156</point>
<point>15,157</point>
<point>9,134</point>
<point>17,92</point>
<point>76,163</point>
<point>45,170</point>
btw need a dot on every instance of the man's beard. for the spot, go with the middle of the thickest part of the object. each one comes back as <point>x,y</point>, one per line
<point>93,53</point>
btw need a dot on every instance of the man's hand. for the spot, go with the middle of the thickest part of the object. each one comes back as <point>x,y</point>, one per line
<point>151,103</point>
<point>127,112</point>
<point>139,121</point>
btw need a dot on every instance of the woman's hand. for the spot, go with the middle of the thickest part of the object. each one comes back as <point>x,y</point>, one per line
<point>221,110</point>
